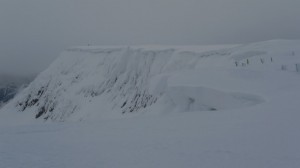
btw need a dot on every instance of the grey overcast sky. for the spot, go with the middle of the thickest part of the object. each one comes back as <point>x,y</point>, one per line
<point>34,32</point>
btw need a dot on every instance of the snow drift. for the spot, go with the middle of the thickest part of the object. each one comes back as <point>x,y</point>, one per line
<point>105,82</point>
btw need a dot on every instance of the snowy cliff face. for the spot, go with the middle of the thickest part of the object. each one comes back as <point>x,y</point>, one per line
<point>108,82</point>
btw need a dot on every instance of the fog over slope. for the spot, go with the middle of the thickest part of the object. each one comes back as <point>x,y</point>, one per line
<point>10,85</point>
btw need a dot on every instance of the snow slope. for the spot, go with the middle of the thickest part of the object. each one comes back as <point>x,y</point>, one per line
<point>234,107</point>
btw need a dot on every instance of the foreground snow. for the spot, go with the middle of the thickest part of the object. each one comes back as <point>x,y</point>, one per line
<point>259,137</point>
<point>208,113</point>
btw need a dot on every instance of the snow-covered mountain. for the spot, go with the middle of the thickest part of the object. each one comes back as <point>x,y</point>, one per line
<point>236,107</point>
<point>108,82</point>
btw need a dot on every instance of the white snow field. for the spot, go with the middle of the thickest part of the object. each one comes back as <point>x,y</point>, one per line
<point>159,107</point>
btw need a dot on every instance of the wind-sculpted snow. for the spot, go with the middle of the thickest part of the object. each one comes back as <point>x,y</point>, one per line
<point>91,82</point>
<point>190,98</point>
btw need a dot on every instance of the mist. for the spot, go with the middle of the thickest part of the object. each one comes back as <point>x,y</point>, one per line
<point>34,32</point>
